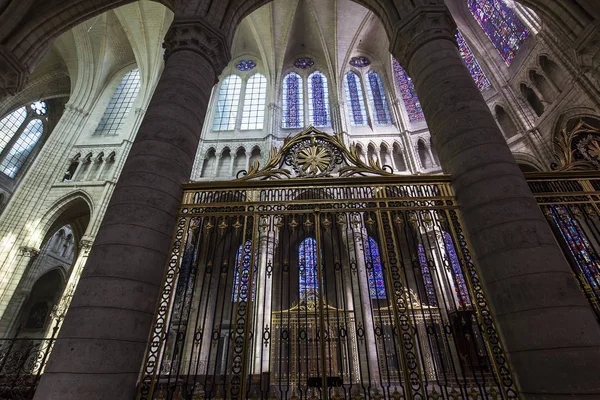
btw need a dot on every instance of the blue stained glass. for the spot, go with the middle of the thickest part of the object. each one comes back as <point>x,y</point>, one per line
<point>355,99</point>
<point>408,92</point>
<point>580,248</point>
<point>307,269</point>
<point>427,279</point>
<point>376,280</point>
<point>241,276</point>
<point>246,65</point>
<point>360,62</point>
<point>501,25</point>
<point>304,63</point>
<point>460,286</point>
<point>318,100</point>
<point>293,110</point>
<point>471,62</point>
<point>378,100</point>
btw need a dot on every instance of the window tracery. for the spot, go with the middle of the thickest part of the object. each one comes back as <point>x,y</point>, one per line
<point>293,107</point>
<point>20,131</point>
<point>460,285</point>
<point>227,104</point>
<point>120,104</point>
<point>471,62</point>
<point>408,92</point>
<point>253,115</point>
<point>318,100</point>
<point>246,65</point>
<point>379,104</point>
<point>501,25</point>
<point>355,99</point>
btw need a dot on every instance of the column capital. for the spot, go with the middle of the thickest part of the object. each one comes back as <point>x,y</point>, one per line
<point>198,36</point>
<point>422,25</point>
<point>13,74</point>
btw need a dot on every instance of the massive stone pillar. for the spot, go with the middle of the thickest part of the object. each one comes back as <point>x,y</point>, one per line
<point>549,331</point>
<point>98,354</point>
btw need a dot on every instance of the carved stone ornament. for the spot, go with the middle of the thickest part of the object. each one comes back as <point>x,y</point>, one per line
<point>13,74</point>
<point>578,149</point>
<point>422,25</point>
<point>314,154</point>
<point>26,251</point>
<point>198,36</point>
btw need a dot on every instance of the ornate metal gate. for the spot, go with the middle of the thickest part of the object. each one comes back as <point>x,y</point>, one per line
<point>322,285</point>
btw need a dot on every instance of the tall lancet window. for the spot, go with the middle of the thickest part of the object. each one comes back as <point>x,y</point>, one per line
<point>228,104</point>
<point>120,104</point>
<point>375,271</point>
<point>318,100</point>
<point>460,285</point>
<point>307,269</point>
<point>408,92</point>
<point>355,99</point>
<point>379,104</point>
<point>427,278</point>
<point>501,25</point>
<point>20,131</point>
<point>471,62</point>
<point>581,249</point>
<point>293,102</point>
<point>253,116</point>
<point>241,275</point>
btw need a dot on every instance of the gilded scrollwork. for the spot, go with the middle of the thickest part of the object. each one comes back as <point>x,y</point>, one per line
<point>578,149</point>
<point>314,154</point>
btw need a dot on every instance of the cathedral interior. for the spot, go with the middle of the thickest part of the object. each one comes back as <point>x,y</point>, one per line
<point>299,199</point>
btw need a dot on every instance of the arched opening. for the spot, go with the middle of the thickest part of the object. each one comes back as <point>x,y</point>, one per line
<point>434,153</point>
<point>542,85</point>
<point>224,164</point>
<point>399,162</point>
<point>533,100</point>
<point>208,166</point>
<point>424,156</point>
<point>36,312</point>
<point>255,156</point>
<point>372,153</point>
<point>239,162</point>
<point>505,122</point>
<point>553,72</point>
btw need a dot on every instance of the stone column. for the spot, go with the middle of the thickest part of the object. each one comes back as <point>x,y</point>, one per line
<point>101,345</point>
<point>549,331</point>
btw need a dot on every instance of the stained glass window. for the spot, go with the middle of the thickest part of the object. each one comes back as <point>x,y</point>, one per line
<point>304,63</point>
<point>246,65</point>
<point>355,100</point>
<point>318,100</point>
<point>460,286</point>
<point>228,103</point>
<point>408,92</point>
<point>307,269</point>
<point>19,152</point>
<point>241,276</point>
<point>10,124</point>
<point>378,100</point>
<point>501,25</point>
<point>471,62</point>
<point>580,248</point>
<point>360,62</point>
<point>253,116</point>
<point>375,272</point>
<point>120,104</point>
<point>293,99</point>
<point>427,278</point>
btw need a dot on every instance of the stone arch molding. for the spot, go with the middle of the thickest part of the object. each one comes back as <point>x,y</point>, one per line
<point>51,216</point>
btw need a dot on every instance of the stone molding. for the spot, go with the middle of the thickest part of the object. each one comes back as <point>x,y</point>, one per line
<point>198,36</point>
<point>31,252</point>
<point>13,74</point>
<point>422,25</point>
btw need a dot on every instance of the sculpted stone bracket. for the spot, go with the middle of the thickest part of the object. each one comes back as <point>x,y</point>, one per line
<point>13,74</point>
<point>314,154</point>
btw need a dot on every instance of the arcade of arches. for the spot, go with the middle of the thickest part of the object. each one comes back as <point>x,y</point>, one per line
<point>403,199</point>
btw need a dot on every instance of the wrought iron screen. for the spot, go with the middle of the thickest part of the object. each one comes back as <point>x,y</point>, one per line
<point>323,289</point>
<point>570,202</point>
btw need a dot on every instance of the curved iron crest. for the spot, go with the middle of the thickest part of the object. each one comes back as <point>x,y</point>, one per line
<point>577,150</point>
<point>314,154</point>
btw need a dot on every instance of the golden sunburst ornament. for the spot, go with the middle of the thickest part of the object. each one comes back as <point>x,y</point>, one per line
<point>314,159</point>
